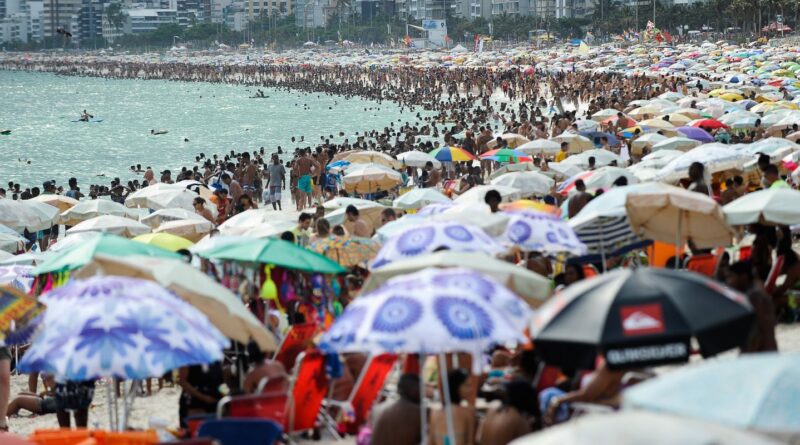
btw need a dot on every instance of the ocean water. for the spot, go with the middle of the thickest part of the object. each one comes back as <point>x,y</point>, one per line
<point>39,109</point>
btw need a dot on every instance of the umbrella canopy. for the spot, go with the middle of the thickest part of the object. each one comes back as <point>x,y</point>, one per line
<point>86,210</point>
<point>11,241</point>
<point>191,229</point>
<point>255,223</point>
<point>32,215</point>
<point>577,143</point>
<point>601,157</point>
<point>223,309</point>
<point>540,146</point>
<point>646,141</point>
<point>696,133</point>
<point>343,202</point>
<point>708,124</point>
<point>640,317</point>
<point>658,124</point>
<point>166,241</point>
<point>431,311</point>
<point>478,193</point>
<point>604,114</point>
<point>754,391</point>
<point>61,202</point>
<point>432,235</point>
<point>452,154</point>
<point>17,311</point>
<point>80,254</point>
<point>542,232</point>
<point>158,217</point>
<point>714,157</point>
<point>347,251</point>
<point>506,155</point>
<point>779,206</point>
<point>530,286</point>
<point>372,157</point>
<point>673,215</point>
<point>274,251</point>
<point>162,196</point>
<point>676,143</point>
<point>528,183</point>
<point>119,327</point>
<point>115,225</point>
<point>638,427</point>
<point>418,159</point>
<point>419,197</point>
<point>370,178</point>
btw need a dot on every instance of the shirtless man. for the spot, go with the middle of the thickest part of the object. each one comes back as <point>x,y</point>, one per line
<point>303,168</point>
<point>360,227</point>
<point>579,199</point>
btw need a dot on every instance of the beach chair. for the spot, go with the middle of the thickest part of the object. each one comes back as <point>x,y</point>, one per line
<point>704,264</point>
<point>241,431</point>
<point>366,390</point>
<point>774,273</point>
<point>296,340</point>
<point>298,410</point>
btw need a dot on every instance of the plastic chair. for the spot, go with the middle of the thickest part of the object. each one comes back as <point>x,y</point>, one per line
<point>704,264</point>
<point>125,438</point>
<point>59,437</point>
<point>232,431</point>
<point>366,390</point>
<point>774,273</point>
<point>296,340</point>
<point>262,406</point>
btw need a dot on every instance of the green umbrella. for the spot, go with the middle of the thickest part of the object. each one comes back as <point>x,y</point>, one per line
<point>111,245</point>
<point>274,251</point>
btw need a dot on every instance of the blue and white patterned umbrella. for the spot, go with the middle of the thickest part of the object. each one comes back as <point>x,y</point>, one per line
<point>431,311</point>
<point>542,232</point>
<point>436,235</point>
<point>18,277</point>
<point>119,327</point>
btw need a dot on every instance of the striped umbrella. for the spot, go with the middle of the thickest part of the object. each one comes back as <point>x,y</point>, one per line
<point>506,155</point>
<point>452,154</point>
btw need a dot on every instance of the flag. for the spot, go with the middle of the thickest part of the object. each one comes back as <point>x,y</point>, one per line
<point>667,36</point>
<point>583,48</point>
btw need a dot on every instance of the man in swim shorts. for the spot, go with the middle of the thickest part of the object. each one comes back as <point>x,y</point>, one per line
<point>304,166</point>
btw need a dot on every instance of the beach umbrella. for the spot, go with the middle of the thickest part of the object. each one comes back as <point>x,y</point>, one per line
<point>61,202</point>
<point>256,223</point>
<point>754,391</point>
<point>602,178</point>
<point>223,308</point>
<point>80,254</point>
<point>31,215</point>
<point>115,225</point>
<point>540,146</point>
<point>640,427</point>
<point>530,286</point>
<point>372,157</point>
<point>87,210</point>
<point>596,136</point>
<point>418,159</point>
<point>601,157</point>
<point>644,111</point>
<point>17,276</point>
<point>676,143</point>
<point>429,236</point>
<point>776,148</point>
<point>640,317</point>
<point>586,125</point>
<point>158,217</point>
<point>452,154</point>
<point>528,183</point>
<point>162,196</point>
<point>475,214</point>
<point>119,327</point>
<point>166,241</point>
<point>673,215</point>
<point>708,124</point>
<point>342,202</point>
<point>577,143</point>
<point>646,141</point>
<point>506,155</point>
<point>11,241</point>
<point>478,193</point>
<point>546,233</point>
<point>19,313</point>
<point>527,204</point>
<point>770,206</point>
<point>696,133</point>
<point>418,198</point>
<point>430,311</point>
<point>191,229</point>
<point>274,252</point>
<point>514,140</point>
<point>347,251</point>
<point>657,124</point>
<point>370,178</point>
<point>604,114</point>
<point>511,168</point>
<point>714,157</point>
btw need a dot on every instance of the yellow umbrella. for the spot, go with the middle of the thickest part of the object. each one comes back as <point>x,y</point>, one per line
<point>659,124</point>
<point>676,119</point>
<point>61,202</point>
<point>733,97</point>
<point>191,229</point>
<point>166,241</point>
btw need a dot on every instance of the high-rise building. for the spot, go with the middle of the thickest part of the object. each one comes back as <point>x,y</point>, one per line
<point>62,15</point>
<point>35,8</point>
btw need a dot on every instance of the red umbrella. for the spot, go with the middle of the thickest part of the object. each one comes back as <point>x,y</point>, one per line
<point>709,124</point>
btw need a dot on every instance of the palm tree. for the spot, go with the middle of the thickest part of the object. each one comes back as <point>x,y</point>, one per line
<point>115,15</point>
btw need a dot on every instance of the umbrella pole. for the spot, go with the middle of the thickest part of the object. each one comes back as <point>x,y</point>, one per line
<point>423,415</point>
<point>109,390</point>
<point>448,405</point>
<point>678,240</point>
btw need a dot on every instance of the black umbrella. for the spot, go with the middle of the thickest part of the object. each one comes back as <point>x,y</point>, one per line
<point>638,318</point>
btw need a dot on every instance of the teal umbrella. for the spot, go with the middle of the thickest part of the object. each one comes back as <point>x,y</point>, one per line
<point>81,254</point>
<point>277,252</point>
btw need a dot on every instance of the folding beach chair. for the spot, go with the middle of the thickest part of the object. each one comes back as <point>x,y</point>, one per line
<point>296,340</point>
<point>704,264</point>
<point>367,388</point>
<point>241,431</point>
